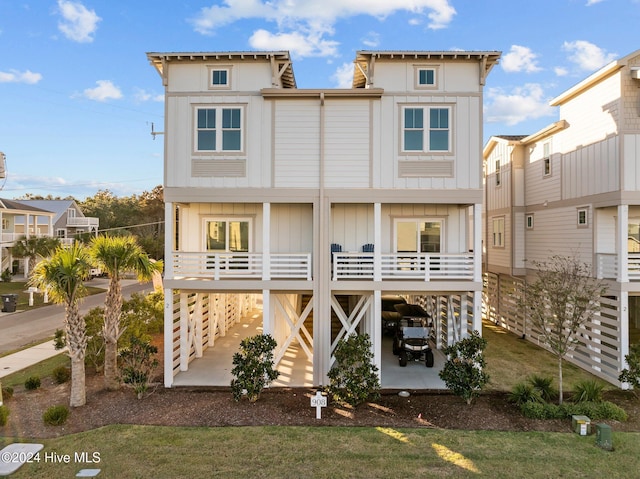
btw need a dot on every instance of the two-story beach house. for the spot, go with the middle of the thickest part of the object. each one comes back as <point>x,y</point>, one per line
<point>311,204</point>
<point>13,217</point>
<point>572,189</point>
<point>69,221</point>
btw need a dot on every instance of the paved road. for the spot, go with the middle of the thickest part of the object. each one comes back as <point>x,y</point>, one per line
<point>21,328</point>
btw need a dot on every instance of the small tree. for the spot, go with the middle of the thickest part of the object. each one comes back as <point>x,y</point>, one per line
<point>353,377</point>
<point>463,372</point>
<point>253,367</point>
<point>560,301</point>
<point>137,364</point>
<point>631,375</point>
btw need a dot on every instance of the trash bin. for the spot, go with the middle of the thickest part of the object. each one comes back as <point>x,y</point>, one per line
<point>9,302</point>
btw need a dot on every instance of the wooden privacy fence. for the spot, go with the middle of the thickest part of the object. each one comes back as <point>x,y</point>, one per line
<point>599,348</point>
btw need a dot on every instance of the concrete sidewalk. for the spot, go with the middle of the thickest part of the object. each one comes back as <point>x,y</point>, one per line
<point>27,357</point>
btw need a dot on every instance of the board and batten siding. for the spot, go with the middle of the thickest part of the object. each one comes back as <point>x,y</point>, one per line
<point>296,144</point>
<point>588,124</point>
<point>347,145</point>
<point>499,197</point>
<point>540,188</point>
<point>556,232</point>
<point>291,228</point>
<point>592,169</point>
<point>631,168</point>
<point>352,225</point>
<point>186,168</point>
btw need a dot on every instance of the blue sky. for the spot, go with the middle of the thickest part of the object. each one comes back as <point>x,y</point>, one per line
<point>77,95</point>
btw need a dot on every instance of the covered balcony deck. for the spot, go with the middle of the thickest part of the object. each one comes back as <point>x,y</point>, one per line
<point>345,266</point>
<point>608,267</point>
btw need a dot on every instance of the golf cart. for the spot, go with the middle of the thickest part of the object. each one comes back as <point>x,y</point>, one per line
<point>411,341</point>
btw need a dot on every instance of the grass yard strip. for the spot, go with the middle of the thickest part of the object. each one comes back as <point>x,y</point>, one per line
<point>42,370</point>
<point>511,359</point>
<point>331,452</point>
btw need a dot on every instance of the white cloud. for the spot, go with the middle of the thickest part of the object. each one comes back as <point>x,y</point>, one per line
<point>14,76</point>
<point>372,40</point>
<point>343,76</point>
<point>561,71</point>
<point>587,56</point>
<point>523,103</point>
<point>105,90</point>
<point>520,59</point>
<point>78,23</point>
<point>593,2</point>
<point>143,95</point>
<point>299,44</point>
<point>312,20</point>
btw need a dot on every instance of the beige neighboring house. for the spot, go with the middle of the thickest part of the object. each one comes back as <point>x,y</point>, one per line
<point>13,216</point>
<point>69,220</point>
<point>312,204</point>
<point>572,189</point>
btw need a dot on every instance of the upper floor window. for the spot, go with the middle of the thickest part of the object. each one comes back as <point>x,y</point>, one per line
<point>426,76</point>
<point>529,222</point>
<point>71,213</point>
<point>583,217</point>
<point>498,173</point>
<point>219,77</point>
<point>227,234</point>
<point>498,232</point>
<point>435,135</point>
<point>546,159</point>
<point>219,129</point>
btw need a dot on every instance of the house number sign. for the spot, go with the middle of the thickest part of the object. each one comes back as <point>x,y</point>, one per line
<point>318,401</point>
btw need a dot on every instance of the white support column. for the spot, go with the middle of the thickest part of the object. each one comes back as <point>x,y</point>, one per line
<point>184,332</point>
<point>624,330</point>
<point>622,247</point>
<point>268,313</point>
<point>213,319</point>
<point>169,235</point>
<point>464,318</point>
<point>377,241</point>
<point>477,242</point>
<point>376,330</point>
<point>197,325</point>
<point>266,241</point>
<point>168,337</point>
<point>477,312</point>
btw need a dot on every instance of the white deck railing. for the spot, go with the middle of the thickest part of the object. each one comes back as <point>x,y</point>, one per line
<point>415,266</point>
<point>241,265</point>
<point>607,266</point>
<point>82,221</point>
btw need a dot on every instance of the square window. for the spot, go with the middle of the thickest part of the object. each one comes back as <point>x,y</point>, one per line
<point>418,138</point>
<point>219,77</point>
<point>219,129</point>
<point>426,77</point>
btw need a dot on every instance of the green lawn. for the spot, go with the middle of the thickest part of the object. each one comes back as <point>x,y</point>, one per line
<point>333,452</point>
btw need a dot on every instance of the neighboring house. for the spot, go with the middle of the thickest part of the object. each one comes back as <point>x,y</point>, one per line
<point>69,220</point>
<point>572,189</point>
<point>316,202</point>
<point>13,216</point>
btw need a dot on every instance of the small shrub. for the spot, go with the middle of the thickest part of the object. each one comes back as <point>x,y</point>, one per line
<point>4,415</point>
<point>5,276</point>
<point>56,415</point>
<point>353,378</point>
<point>463,372</point>
<point>542,410</point>
<point>523,392</point>
<point>61,374</point>
<point>588,390</point>
<point>596,410</point>
<point>631,375</point>
<point>253,367</point>
<point>32,383</point>
<point>543,385</point>
<point>7,393</point>
<point>138,362</point>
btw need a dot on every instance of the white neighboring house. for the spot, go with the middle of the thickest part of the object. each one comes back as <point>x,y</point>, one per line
<point>315,202</point>
<point>69,220</point>
<point>573,189</point>
<point>13,216</point>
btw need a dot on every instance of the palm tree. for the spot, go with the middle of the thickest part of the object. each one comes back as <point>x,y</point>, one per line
<point>62,276</point>
<point>33,248</point>
<point>116,255</point>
